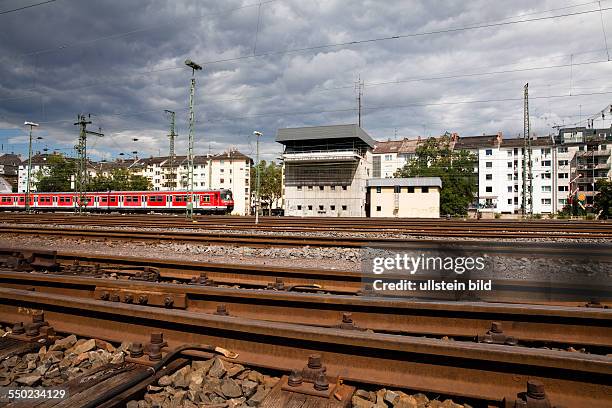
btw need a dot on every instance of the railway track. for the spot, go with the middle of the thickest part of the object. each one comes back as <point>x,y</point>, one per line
<point>257,239</point>
<point>484,372</point>
<point>437,227</point>
<point>485,353</point>
<point>341,282</point>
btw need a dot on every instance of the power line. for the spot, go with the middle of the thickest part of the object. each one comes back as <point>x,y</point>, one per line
<point>370,84</point>
<point>27,7</point>
<point>136,31</point>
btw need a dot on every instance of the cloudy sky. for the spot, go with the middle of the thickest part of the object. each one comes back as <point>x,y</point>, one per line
<point>267,66</point>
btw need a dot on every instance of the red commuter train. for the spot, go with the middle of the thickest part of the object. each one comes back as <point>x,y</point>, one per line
<point>205,201</point>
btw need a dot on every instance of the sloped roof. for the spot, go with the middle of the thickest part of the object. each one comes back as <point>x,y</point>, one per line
<point>10,159</point>
<point>475,142</point>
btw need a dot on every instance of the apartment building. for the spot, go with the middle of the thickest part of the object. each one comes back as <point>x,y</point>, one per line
<point>39,164</point>
<point>589,153</point>
<point>325,170</point>
<point>389,156</point>
<point>230,170</point>
<point>9,165</point>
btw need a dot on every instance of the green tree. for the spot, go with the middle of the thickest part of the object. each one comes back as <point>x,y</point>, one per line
<point>602,201</point>
<point>57,178</point>
<point>436,158</point>
<point>271,183</point>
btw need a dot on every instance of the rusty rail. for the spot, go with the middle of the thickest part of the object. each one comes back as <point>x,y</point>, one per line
<point>528,324</point>
<point>482,371</point>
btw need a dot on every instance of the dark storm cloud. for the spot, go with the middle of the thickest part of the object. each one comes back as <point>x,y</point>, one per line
<point>68,57</point>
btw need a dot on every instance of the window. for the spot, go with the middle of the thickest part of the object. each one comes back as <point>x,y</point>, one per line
<point>410,189</point>
<point>388,157</point>
<point>321,188</point>
<point>321,208</point>
<point>310,187</point>
<point>344,208</point>
<point>546,176</point>
<point>397,189</point>
<point>563,188</point>
<point>299,188</point>
<point>581,148</point>
<point>546,201</point>
<point>489,189</point>
<point>489,177</point>
<point>332,188</point>
<point>563,175</point>
<point>563,162</point>
<point>489,152</point>
<point>562,149</point>
<point>332,207</point>
<point>509,201</point>
<point>344,188</point>
<point>206,199</point>
<point>509,189</point>
<point>546,163</point>
<point>545,151</point>
<point>509,177</point>
<point>489,165</point>
<point>546,189</point>
<point>509,153</point>
<point>425,190</point>
<point>562,201</point>
<point>310,208</point>
<point>509,165</point>
<point>378,208</point>
<point>222,171</point>
<point>378,190</point>
<point>222,180</point>
<point>299,207</point>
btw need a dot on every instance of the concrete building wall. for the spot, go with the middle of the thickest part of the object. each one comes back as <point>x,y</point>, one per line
<point>331,200</point>
<point>416,204</point>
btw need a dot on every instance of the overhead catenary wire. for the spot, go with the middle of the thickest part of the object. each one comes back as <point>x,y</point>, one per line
<point>27,7</point>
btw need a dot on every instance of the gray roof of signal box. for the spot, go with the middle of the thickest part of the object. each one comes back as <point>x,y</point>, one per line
<point>405,182</point>
<point>324,132</point>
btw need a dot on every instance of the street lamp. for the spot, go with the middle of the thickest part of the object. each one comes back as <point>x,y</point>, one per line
<point>27,197</point>
<point>194,67</point>
<point>257,134</point>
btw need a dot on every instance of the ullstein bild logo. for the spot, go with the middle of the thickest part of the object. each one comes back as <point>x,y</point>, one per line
<point>394,267</point>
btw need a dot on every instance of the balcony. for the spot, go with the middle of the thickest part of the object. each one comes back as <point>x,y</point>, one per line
<point>321,156</point>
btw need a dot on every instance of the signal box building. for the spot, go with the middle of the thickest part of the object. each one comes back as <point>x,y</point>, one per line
<point>325,170</point>
<point>416,197</point>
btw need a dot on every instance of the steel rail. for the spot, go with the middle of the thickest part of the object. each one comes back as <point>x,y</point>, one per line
<point>577,326</point>
<point>481,371</point>
<point>265,240</point>
<point>305,225</point>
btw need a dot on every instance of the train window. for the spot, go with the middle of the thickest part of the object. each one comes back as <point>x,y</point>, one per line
<point>21,199</point>
<point>103,199</point>
<point>206,199</point>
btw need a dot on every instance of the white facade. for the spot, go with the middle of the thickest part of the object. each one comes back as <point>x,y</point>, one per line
<point>325,170</point>
<point>230,170</point>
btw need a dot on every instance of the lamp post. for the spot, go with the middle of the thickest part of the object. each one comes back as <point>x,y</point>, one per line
<point>27,197</point>
<point>257,134</point>
<point>194,67</point>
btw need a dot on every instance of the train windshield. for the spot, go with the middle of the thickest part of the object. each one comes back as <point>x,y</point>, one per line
<point>227,196</point>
